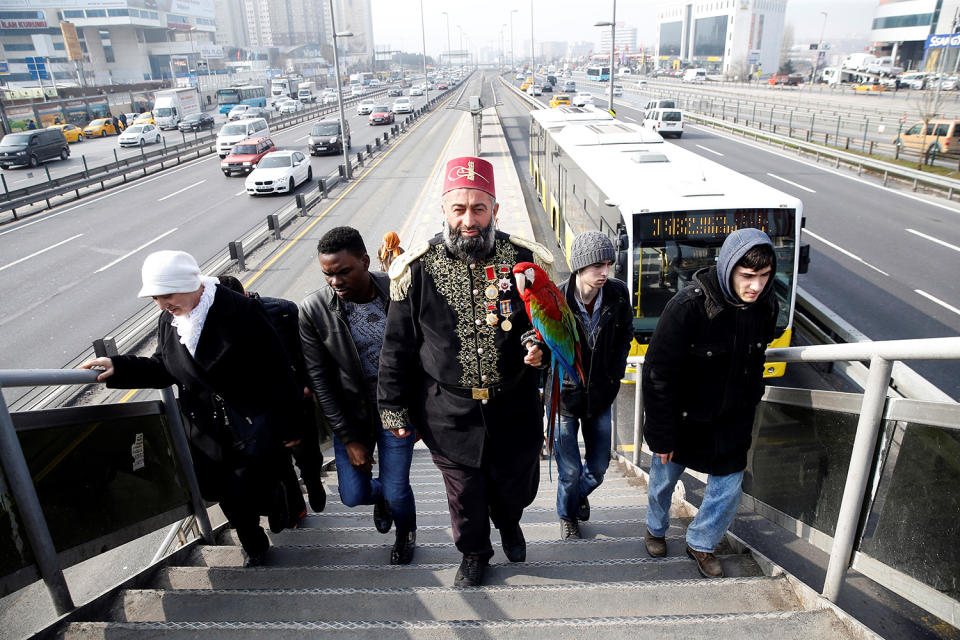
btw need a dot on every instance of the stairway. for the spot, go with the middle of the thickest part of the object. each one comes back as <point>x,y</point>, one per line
<point>332,578</point>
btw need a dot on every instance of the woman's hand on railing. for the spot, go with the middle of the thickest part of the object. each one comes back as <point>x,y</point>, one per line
<point>101,364</point>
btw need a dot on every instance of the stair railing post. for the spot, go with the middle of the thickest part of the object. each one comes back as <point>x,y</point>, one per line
<point>637,417</point>
<point>179,436</point>
<point>858,474</point>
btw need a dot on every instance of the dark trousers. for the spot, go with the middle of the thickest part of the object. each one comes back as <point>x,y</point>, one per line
<point>499,490</point>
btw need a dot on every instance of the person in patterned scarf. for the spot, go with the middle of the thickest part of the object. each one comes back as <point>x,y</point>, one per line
<point>459,362</point>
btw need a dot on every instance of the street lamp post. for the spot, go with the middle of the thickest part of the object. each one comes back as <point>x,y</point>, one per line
<point>460,29</point>
<point>336,69</point>
<point>533,56</point>
<point>816,64</point>
<point>513,59</point>
<point>423,37</point>
<point>447,15</point>
<point>613,34</point>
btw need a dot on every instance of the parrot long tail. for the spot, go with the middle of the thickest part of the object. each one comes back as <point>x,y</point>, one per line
<point>556,384</point>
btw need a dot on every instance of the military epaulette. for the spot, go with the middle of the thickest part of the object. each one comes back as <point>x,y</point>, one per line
<point>541,255</point>
<point>400,270</point>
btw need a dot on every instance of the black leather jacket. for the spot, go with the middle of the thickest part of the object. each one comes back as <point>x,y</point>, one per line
<point>333,365</point>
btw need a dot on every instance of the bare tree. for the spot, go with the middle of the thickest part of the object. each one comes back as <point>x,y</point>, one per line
<point>786,45</point>
<point>928,108</point>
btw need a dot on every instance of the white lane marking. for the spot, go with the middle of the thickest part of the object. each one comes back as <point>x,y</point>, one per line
<point>302,138</point>
<point>112,192</point>
<point>36,253</point>
<point>180,191</point>
<point>127,255</point>
<point>780,154</point>
<point>239,193</point>
<point>798,186</point>
<point>629,118</point>
<point>716,153</point>
<point>843,251</point>
<point>940,302</point>
<point>932,239</point>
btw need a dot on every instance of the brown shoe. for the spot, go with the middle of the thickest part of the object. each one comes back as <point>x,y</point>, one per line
<point>707,563</point>
<point>656,547</point>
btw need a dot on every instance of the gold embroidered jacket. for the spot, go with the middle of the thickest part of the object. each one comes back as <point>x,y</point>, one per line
<point>452,357</point>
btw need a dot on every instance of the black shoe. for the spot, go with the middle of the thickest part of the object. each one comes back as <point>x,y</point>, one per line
<point>382,517</point>
<point>254,559</point>
<point>514,544</point>
<point>470,573</point>
<point>569,529</point>
<point>279,515</point>
<point>584,513</point>
<point>316,493</point>
<point>403,548</point>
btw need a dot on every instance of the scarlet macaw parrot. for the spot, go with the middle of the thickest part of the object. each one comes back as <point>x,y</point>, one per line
<point>556,326</point>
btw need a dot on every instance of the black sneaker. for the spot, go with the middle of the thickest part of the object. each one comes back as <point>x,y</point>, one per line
<point>382,517</point>
<point>569,529</point>
<point>279,515</point>
<point>254,559</point>
<point>584,513</point>
<point>403,548</point>
<point>316,493</point>
<point>514,544</point>
<point>470,573</point>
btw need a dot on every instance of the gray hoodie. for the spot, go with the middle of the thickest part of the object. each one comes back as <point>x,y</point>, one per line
<point>735,247</point>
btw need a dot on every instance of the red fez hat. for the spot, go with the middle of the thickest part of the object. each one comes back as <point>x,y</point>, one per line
<point>469,173</point>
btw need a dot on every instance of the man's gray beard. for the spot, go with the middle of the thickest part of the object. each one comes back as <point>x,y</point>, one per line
<point>470,249</point>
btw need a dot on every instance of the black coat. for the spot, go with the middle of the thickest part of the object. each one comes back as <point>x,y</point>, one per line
<point>438,347</point>
<point>240,357</point>
<point>604,362</point>
<point>703,375</point>
<point>333,365</point>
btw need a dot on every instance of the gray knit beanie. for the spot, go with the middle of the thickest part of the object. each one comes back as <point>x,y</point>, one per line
<point>590,247</point>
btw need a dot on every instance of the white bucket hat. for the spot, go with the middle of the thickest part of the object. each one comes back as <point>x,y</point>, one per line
<point>166,272</point>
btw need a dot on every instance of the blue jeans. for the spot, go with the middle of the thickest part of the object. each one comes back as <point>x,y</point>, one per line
<point>575,480</point>
<point>393,483</point>
<point>717,511</point>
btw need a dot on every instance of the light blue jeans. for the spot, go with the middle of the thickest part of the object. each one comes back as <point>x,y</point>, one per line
<point>575,480</point>
<point>719,507</point>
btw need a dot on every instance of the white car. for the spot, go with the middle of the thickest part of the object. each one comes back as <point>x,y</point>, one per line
<point>534,90</point>
<point>581,100</point>
<point>402,105</point>
<point>238,112</point>
<point>618,89</point>
<point>416,91</point>
<point>365,107</point>
<point>357,90</point>
<point>279,172</point>
<point>291,106</point>
<point>139,135</point>
<point>329,98</point>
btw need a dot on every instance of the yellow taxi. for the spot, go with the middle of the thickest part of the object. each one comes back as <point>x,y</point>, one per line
<point>526,85</point>
<point>101,127</point>
<point>559,99</point>
<point>71,132</point>
<point>145,118</point>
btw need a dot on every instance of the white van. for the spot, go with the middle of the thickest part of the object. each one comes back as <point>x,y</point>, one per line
<point>697,76</point>
<point>666,122</point>
<point>233,132</point>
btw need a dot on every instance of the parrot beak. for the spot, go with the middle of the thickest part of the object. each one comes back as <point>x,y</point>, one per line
<point>521,282</point>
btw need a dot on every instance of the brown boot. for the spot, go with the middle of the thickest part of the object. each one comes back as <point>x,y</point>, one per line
<point>707,563</point>
<point>656,547</point>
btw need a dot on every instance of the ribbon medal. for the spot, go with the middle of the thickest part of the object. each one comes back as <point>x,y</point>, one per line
<point>506,308</point>
<point>491,292</point>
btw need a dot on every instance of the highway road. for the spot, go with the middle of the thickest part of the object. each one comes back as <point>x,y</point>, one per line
<point>69,276</point>
<point>883,259</point>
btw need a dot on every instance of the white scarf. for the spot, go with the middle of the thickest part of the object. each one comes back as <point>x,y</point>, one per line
<point>190,326</point>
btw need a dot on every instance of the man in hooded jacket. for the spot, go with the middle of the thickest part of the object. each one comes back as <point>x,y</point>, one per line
<point>702,381</point>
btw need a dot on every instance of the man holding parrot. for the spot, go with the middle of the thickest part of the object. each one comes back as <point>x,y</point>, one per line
<point>460,360</point>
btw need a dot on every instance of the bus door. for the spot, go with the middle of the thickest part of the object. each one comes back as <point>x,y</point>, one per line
<point>562,204</point>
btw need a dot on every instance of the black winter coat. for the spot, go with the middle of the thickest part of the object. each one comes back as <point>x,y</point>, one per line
<point>703,376</point>
<point>239,356</point>
<point>333,366</point>
<point>606,361</point>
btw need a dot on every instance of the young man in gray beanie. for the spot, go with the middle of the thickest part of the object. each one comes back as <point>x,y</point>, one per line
<point>601,306</point>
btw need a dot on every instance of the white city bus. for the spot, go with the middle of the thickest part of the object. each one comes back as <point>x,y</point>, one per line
<point>666,209</point>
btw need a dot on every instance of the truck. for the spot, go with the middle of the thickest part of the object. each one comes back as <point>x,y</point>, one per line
<point>307,92</point>
<point>285,86</point>
<point>173,105</point>
<point>857,61</point>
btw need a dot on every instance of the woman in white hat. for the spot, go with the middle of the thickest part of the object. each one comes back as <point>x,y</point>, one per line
<point>231,370</point>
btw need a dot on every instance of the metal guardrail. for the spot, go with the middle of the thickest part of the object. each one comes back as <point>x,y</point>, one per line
<point>142,325</point>
<point>120,169</point>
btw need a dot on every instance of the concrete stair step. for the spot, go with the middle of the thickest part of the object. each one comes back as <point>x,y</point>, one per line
<point>432,552</point>
<point>433,500</point>
<point>431,515</point>
<point>729,595</point>
<point>548,530</point>
<point>434,482</point>
<point>783,625</point>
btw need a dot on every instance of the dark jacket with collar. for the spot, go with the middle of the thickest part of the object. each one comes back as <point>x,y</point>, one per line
<point>333,366</point>
<point>605,362</point>
<point>239,356</point>
<point>703,375</point>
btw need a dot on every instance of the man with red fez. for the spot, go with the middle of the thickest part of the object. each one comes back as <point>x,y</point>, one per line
<point>460,362</point>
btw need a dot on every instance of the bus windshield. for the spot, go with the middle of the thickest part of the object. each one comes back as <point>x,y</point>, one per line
<point>227,96</point>
<point>669,248</point>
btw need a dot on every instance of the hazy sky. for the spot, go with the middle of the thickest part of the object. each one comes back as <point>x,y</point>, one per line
<point>396,23</point>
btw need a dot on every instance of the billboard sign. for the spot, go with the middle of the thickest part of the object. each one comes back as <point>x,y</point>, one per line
<point>72,43</point>
<point>212,51</point>
<point>942,41</point>
<point>43,45</point>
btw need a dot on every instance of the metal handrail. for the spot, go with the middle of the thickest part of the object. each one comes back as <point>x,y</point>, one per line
<point>881,356</point>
